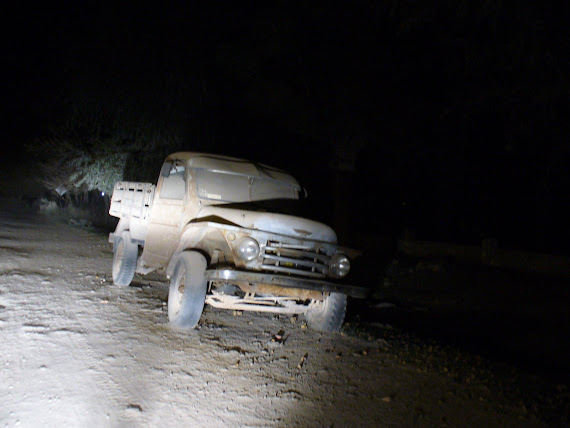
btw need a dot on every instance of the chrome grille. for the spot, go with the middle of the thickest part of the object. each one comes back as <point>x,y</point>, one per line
<point>295,259</point>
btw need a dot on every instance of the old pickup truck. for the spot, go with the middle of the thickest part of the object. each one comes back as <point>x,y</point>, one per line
<point>215,225</point>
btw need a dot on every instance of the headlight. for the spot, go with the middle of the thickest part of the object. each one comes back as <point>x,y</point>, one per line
<point>248,249</point>
<point>340,265</point>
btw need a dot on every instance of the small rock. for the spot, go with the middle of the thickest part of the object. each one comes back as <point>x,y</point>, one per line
<point>135,407</point>
<point>303,360</point>
<point>280,337</point>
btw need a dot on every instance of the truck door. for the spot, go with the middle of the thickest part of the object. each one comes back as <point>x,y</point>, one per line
<point>165,216</point>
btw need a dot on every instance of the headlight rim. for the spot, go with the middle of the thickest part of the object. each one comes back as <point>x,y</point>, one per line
<point>335,268</point>
<point>241,244</point>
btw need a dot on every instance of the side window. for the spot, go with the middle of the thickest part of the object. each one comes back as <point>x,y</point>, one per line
<point>173,183</point>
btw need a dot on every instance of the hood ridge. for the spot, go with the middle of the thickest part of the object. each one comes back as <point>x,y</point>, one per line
<point>283,224</point>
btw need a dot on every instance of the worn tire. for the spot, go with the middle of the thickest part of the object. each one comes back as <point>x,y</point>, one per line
<point>327,315</point>
<point>125,255</point>
<point>187,290</point>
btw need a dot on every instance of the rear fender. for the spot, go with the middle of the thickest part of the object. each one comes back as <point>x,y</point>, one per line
<point>124,224</point>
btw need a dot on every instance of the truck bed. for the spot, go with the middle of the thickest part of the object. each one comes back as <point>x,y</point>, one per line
<point>132,200</point>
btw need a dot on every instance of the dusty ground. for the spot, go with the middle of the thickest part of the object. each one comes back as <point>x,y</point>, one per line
<point>79,351</point>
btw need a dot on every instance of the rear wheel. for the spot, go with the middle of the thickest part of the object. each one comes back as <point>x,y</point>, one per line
<point>187,290</point>
<point>327,315</point>
<point>125,255</point>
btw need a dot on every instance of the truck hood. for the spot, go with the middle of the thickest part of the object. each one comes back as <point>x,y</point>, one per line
<point>282,224</point>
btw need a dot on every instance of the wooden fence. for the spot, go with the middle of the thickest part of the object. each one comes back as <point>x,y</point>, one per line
<point>490,254</point>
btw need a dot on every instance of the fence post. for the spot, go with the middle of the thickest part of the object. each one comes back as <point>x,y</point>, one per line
<point>488,250</point>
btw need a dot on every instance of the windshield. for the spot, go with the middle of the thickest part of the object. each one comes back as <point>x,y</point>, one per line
<point>228,187</point>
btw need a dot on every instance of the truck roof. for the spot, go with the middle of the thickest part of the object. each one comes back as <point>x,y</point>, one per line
<point>227,164</point>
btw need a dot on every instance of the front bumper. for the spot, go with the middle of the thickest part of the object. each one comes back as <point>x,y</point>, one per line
<point>286,281</point>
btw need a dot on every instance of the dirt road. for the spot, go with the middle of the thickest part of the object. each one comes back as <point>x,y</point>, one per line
<point>78,351</point>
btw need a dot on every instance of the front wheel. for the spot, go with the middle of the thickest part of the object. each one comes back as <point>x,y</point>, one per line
<point>125,255</point>
<point>187,290</point>
<point>327,315</point>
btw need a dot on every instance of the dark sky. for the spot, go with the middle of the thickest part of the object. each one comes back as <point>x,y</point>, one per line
<point>455,113</point>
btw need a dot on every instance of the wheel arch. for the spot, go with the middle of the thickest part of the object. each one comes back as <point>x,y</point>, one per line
<point>177,254</point>
<point>123,225</point>
<point>199,237</point>
<point>208,238</point>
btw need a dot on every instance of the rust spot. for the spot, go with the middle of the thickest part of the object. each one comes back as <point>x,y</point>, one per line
<point>303,232</point>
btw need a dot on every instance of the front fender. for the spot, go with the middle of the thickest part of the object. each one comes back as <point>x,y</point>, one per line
<point>206,237</point>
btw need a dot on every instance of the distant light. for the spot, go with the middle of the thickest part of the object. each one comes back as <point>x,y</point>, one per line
<point>102,193</point>
<point>61,190</point>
